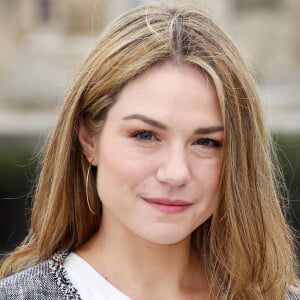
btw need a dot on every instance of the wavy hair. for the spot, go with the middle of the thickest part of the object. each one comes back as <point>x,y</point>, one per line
<point>246,245</point>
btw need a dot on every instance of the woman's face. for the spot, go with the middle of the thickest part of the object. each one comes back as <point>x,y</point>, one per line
<point>159,155</point>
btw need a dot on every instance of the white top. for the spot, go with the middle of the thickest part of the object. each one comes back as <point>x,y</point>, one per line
<point>88,282</point>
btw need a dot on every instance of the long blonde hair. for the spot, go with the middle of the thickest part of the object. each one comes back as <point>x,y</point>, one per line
<point>246,246</point>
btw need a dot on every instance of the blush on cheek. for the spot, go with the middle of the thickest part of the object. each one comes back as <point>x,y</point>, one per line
<point>120,174</point>
<point>135,170</point>
<point>209,172</point>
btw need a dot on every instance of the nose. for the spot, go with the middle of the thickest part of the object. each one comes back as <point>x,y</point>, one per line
<point>174,168</point>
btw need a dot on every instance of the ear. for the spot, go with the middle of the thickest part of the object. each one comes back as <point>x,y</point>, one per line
<point>87,141</point>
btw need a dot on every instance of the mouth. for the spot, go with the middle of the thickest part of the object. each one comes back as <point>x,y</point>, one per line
<point>168,206</point>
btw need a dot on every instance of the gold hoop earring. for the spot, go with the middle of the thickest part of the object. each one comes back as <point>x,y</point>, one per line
<point>86,190</point>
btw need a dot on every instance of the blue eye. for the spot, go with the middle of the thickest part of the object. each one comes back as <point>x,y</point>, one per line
<point>145,135</point>
<point>207,142</point>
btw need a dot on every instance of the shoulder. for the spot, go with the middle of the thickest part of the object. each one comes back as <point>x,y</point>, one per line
<point>28,284</point>
<point>45,280</point>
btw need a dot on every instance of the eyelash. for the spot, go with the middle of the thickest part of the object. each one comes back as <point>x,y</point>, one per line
<point>207,141</point>
<point>137,135</point>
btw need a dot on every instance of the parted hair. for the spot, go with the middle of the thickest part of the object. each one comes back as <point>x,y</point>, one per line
<point>246,246</point>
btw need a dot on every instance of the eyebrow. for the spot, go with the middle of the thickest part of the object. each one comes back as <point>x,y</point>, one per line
<point>147,120</point>
<point>209,130</point>
<point>162,126</point>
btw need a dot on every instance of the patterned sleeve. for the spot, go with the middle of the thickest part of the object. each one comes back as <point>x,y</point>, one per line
<point>31,284</point>
<point>292,296</point>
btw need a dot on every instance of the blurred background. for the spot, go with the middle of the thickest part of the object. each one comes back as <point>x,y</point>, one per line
<point>43,43</point>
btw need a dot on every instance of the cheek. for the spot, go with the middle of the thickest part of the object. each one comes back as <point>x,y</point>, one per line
<point>208,177</point>
<point>121,172</point>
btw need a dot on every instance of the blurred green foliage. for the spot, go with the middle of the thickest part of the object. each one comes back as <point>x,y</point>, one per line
<point>17,179</point>
<point>288,151</point>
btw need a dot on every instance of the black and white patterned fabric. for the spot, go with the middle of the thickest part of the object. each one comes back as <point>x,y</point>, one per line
<point>291,296</point>
<point>48,281</point>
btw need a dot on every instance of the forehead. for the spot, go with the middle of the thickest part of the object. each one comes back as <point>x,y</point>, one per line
<point>169,91</point>
<point>167,68</point>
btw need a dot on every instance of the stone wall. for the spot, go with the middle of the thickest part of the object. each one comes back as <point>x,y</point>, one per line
<point>45,41</point>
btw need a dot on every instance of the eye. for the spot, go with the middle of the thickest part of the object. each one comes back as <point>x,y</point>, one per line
<point>145,135</point>
<point>207,142</point>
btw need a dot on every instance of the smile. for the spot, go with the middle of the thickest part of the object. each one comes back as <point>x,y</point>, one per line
<point>168,206</point>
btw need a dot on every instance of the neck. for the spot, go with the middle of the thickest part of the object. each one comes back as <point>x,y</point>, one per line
<point>128,262</point>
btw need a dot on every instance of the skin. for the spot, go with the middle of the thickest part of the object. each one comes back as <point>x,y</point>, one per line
<point>159,160</point>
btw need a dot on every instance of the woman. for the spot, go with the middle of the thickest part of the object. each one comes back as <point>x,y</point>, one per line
<point>157,181</point>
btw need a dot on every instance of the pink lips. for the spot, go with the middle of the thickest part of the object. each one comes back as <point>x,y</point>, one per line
<point>168,206</point>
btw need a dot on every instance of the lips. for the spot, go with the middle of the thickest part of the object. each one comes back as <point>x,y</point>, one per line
<point>168,206</point>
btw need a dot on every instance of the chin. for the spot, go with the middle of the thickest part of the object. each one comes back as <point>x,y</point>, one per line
<point>167,237</point>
